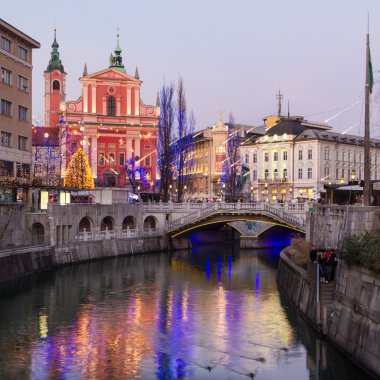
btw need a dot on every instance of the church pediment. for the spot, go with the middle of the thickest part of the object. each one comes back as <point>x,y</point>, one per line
<point>112,74</point>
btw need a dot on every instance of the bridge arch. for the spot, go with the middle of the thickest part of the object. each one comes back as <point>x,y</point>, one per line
<point>129,222</point>
<point>86,224</point>
<point>38,233</point>
<point>150,222</point>
<point>108,223</point>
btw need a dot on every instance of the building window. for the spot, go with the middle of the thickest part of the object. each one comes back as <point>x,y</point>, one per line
<point>343,156</point>
<point>6,44</point>
<point>22,113</point>
<point>355,158</point>
<point>310,154</point>
<point>285,173</point>
<point>22,53</point>
<point>121,159</point>
<point>275,174</point>
<point>275,156</point>
<point>101,159</point>
<point>22,142</point>
<point>111,106</point>
<point>285,155</point>
<point>327,154</point>
<point>6,107</point>
<point>56,85</point>
<point>6,139</point>
<point>299,173</point>
<point>147,161</point>
<point>220,149</point>
<point>254,175</point>
<point>337,155</point>
<point>6,76</point>
<point>247,158</point>
<point>343,173</point>
<point>266,173</point>
<point>266,157</point>
<point>111,159</point>
<point>349,156</point>
<point>254,158</point>
<point>336,173</point>
<point>22,83</point>
<point>300,155</point>
<point>309,173</point>
<point>327,173</point>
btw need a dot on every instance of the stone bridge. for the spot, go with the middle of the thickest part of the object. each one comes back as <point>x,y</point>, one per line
<point>187,216</point>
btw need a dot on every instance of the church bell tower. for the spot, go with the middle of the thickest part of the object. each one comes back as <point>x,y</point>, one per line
<point>55,86</point>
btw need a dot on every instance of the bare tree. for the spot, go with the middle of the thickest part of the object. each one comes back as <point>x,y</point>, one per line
<point>182,148</point>
<point>232,164</point>
<point>165,140</point>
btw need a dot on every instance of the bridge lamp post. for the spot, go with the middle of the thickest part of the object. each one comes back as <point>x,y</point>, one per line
<point>170,192</point>
<point>252,194</point>
<point>184,190</point>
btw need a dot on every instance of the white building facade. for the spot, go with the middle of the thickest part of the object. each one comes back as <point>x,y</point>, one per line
<point>294,159</point>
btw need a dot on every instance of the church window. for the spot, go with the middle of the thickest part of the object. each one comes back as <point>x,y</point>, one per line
<point>111,106</point>
<point>56,85</point>
<point>101,159</point>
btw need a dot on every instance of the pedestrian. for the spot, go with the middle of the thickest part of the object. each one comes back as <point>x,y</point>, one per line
<point>322,265</point>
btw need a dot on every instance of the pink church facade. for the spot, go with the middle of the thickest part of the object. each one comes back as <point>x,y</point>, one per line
<point>109,120</point>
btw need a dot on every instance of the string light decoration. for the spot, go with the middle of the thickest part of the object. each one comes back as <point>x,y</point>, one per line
<point>78,173</point>
<point>137,174</point>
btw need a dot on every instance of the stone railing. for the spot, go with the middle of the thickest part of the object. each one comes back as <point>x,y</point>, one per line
<point>192,206</point>
<point>113,234</point>
<point>210,208</point>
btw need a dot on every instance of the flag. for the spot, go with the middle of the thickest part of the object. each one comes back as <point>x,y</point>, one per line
<point>369,63</point>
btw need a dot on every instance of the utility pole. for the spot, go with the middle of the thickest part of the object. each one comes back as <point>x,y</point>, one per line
<point>368,90</point>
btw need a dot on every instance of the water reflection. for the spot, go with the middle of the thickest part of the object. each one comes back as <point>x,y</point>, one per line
<point>212,313</point>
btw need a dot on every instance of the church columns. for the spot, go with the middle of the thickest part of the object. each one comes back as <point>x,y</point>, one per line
<point>93,110</point>
<point>129,148</point>
<point>85,98</point>
<point>92,136</point>
<point>137,101</point>
<point>104,105</point>
<point>128,100</point>
<point>118,101</point>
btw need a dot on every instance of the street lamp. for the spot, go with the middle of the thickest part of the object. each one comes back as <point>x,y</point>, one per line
<point>353,175</point>
<point>170,192</point>
<point>341,180</point>
<point>251,193</point>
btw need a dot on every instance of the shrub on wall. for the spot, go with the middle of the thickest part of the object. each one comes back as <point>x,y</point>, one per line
<point>362,250</point>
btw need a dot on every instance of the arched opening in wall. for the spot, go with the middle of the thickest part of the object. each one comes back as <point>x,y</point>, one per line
<point>107,224</point>
<point>129,222</point>
<point>38,234</point>
<point>133,101</point>
<point>85,224</point>
<point>111,106</point>
<point>150,222</point>
<point>56,85</point>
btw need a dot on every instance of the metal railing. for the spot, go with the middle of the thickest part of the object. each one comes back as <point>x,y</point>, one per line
<point>269,210</point>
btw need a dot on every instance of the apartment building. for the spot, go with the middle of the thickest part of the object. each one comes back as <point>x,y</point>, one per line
<point>15,100</point>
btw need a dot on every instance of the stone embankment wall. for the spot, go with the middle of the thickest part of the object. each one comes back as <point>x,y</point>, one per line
<point>35,259</point>
<point>294,283</point>
<point>353,326</point>
<point>355,320</point>
<point>327,225</point>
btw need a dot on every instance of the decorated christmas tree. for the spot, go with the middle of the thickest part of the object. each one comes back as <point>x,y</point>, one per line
<point>78,173</point>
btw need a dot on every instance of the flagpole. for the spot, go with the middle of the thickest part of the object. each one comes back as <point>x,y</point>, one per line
<point>367,168</point>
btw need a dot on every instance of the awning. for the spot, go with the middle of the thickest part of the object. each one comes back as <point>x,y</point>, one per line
<point>350,188</point>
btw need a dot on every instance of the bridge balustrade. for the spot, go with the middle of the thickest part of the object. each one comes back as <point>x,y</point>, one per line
<point>272,210</point>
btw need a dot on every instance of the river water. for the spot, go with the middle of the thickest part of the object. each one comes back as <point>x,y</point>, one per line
<point>212,313</point>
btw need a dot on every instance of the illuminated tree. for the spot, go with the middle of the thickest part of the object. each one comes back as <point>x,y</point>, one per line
<point>232,177</point>
<point>78,173</point>
<point>136,174</point>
